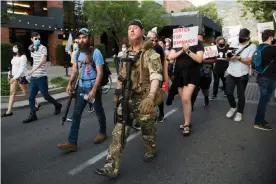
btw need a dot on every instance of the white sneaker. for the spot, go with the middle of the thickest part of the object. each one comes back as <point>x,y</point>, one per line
<point>231,112</point>
<point>238,117</point>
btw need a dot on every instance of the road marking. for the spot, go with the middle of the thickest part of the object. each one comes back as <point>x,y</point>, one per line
<point>103,154</point>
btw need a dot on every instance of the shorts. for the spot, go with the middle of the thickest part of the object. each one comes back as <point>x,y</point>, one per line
<point>205,82</point>
<point>187,76</point>
<point>22,80</point>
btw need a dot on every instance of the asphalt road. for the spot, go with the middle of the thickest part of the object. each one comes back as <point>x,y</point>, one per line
<point>218,151</point>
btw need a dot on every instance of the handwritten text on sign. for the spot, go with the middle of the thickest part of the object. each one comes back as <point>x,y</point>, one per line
<point>210,51</point>
<point>185,35</point>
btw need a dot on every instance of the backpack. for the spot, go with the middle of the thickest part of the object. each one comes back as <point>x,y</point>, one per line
<point>257,64</point>
<point>106,70</point>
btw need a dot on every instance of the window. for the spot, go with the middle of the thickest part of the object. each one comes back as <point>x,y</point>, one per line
<point>36,8</point>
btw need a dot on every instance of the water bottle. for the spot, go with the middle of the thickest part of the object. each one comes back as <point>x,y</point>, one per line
<point>85,97</point>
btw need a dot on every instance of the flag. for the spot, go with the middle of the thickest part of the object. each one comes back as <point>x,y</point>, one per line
<point>68,44</point>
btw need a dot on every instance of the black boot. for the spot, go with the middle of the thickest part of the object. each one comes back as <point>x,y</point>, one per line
<point>31,118</point>
<point>57,109</point>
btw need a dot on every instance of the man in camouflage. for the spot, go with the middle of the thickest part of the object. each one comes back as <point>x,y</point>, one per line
<point>146,76</point>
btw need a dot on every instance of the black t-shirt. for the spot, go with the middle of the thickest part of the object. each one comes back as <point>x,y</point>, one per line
<point>160,51</point>
<point>221,62</point>
<point>184,61</point>
<point>269,54</point>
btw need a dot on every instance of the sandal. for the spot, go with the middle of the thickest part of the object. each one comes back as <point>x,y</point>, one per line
<point>186,131</point>
<point>181,127</point>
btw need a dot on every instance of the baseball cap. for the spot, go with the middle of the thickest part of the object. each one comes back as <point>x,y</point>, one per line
<point>136,23</point>
<point>244,33</point>
<point>84,31</point>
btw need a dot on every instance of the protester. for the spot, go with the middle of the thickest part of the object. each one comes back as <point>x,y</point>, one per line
<point>17,76</point>
<point>220,66</point>
<point>267,79</point>
<point>205,77</point>
<point>118,58</point>
<point>39,79</point>
<point>90,80</point>
<point>187,75</point>
<point>143,96</point>
<point>161,43</point>
<point>239,61</point>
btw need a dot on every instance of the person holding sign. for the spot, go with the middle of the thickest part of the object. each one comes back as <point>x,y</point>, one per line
<point>206,68</point>
<point>187,74</point>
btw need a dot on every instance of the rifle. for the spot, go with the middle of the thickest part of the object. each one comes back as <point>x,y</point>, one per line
<point>126,92</point>
<point>73,93</point>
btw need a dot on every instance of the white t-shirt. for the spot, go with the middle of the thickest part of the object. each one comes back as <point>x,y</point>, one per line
<point>19,66</point>
<point>236,68</point>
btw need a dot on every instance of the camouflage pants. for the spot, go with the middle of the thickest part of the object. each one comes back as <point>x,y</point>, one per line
<point>148,128</point>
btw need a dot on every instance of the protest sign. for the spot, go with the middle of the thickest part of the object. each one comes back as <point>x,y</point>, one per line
<point>185,35</point>
<point>210,51</point>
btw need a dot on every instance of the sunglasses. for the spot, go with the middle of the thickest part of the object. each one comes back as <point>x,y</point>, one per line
<point>36,38</point>
<point>76,42</point>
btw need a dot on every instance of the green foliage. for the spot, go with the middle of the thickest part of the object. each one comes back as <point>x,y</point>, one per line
<point>59,81</point>
<point>6,56</point>
<point>108,16</point>
<point>262,10</point>
<point>101,47</point>
<point>255,42</point>
<point>208,10</point>
<point>60,54</point>
<point>6,17</point>
<point>5,86</point>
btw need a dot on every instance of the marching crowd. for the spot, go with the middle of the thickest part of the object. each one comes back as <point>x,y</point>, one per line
<point>157,64</point>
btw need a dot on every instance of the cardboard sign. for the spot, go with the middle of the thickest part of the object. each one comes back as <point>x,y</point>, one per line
<point>185,35</point>
<point>210,51</point>
<point>262,27</point>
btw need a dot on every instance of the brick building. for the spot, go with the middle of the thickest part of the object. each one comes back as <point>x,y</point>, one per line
<point>45,17</point>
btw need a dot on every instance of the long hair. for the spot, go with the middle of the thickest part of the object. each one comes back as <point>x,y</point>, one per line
<point>20,49</point>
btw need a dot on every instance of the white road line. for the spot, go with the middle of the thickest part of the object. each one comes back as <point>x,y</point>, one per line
<point>103,154</point>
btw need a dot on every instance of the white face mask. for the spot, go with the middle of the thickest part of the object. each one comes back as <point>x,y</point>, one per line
<point>124,49</point>
<point>15,49</point>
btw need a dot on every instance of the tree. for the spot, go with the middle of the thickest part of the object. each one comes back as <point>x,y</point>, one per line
<point>262,10</point>
<point>208,10</point>
<point>113,17</point>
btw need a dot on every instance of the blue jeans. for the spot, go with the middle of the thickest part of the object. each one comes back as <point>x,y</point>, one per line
<point>40,84</point>
<point>267,87</point>
<point>78,109</point>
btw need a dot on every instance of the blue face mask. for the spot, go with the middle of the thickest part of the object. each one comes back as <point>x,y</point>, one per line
<point>37,42</point>
<point>75,46</point>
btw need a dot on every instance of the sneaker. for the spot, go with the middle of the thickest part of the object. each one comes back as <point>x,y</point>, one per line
<point>31,118</point>
<point>238,117</point>
<point>161,118</point>
<point>206,101</point>
<point>69,119</point>
<point>105,172</point>
<point>214,98</point>
<point>91,110</point>
<point>265,126</point>
<point>231,112</point>
<point>136,127</point>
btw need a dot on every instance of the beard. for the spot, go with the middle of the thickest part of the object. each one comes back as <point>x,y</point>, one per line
<point>84,46</point>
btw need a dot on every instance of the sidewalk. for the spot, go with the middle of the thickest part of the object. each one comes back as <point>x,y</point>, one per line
<point>53,71</point>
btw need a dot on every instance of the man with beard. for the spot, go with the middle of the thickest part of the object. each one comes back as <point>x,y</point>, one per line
<point>90,84</point>
<point>146,75</point>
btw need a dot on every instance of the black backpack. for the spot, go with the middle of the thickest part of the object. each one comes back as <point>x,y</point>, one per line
<point>106,70</point>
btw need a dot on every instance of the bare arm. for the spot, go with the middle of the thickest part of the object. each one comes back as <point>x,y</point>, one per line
<point>173,54</point>
<point>198,56</point>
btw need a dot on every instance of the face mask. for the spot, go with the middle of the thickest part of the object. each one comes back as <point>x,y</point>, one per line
<point>37,42</point>
<point>15,50</point>
<point>123,49</point>
<point>242,40</point>
<point>221,45</point>
<point>75,46</point>
<point>273,42</point>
